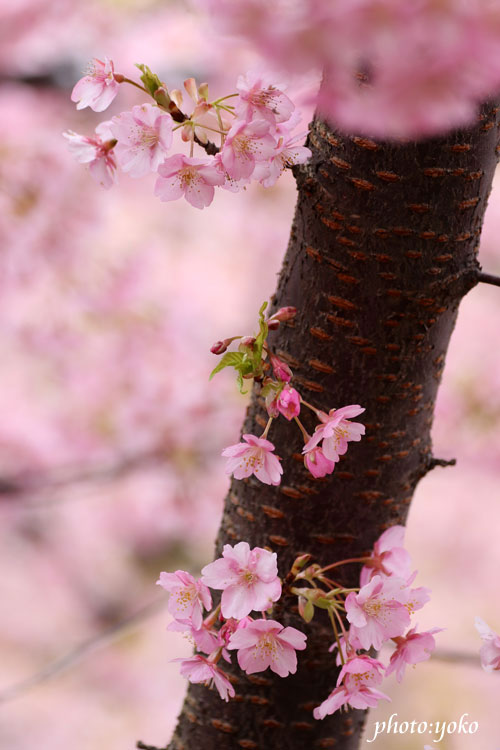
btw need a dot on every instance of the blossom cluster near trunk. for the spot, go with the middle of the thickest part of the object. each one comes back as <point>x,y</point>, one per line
<point>255,455</point>
<point>378,612</point>
<point>248,579</point>
<point>246,135</point>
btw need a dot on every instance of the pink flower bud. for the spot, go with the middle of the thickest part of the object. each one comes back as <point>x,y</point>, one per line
<point>273,325</point>
<point>247,341</point>
<point>280,369</point>
<point>219,347</point>
<point>284,314</point>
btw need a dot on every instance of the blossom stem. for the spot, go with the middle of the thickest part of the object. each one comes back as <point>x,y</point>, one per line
<point>268,425</point>
<point>304,432</point>
<point>223,98</point>
<point>309,406</point>
<point>137,85</point>
<point>343,562</point>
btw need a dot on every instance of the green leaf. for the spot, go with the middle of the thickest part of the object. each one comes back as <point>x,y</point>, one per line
<point>150,80</point>
<point>230,359</point>
<point>260,339</point>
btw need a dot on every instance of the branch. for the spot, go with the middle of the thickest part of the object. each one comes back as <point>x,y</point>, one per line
<point>61,664</point>
<point>30,482</point>
<point>441,462</point>
<point>488,278</point>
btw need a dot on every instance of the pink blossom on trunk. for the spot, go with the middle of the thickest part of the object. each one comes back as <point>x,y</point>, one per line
<point>189,177</point>
<point>317,463</point>
<point>490,650</point>
<point>288,402</point>
<point>266,643</point>
<point>412,648</point>
<point>199,669</point>
<point>248,578</point>
<point>377,612</point>
<point>187,597</point>
<point>246,144</point>
<point>144,136</point>
<point>359,676</point>
<point>97,89</point>
<point>336,431</point>
<point>97,152</point>
<point>261,98</point>
<point>254,456</point>
<point>388,557</point>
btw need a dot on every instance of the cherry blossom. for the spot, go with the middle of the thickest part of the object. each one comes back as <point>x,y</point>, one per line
<point>288,402</point>
<point>266,643</point>
<point>204,638</point>
<point>97,89</point>
<point>189,177</point>
<point>336,431</point>
<point>377,612</point>
<point>144,136</point>
<point>388,556</point>
<point>96,152</point>
<point>197,668</point>
<point>248,578</point>
<point>412,648</point>
<point>187,597</point>
<point>317,463</point>
<point>490,650</point>
<point>246,144</point>
<point>254,456</point>
<point>260,97</point>
<point>359,676</point>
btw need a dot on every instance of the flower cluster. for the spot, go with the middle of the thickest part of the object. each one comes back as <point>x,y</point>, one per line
<point>254,359</point>
<point>392,69</point>
<point>377,612</point>
<point>255,134</point>
<point>248,579</point>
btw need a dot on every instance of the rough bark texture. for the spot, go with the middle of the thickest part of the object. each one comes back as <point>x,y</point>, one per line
<point>382,250</point>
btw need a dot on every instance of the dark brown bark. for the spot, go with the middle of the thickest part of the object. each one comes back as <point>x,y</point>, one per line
<point>382,250</point>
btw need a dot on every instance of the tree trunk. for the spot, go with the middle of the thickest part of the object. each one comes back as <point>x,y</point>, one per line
<point>382,249</point>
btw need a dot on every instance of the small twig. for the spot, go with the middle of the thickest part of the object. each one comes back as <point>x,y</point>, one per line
<point>488,278</point>
<point>63,663</point>
<point>441,462</point>
<point>143,746</point>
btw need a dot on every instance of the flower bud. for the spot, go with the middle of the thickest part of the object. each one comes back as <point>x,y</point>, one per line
<point>284,314</point>
<point>299,563</point>
<point>219,347</point>
<point>273,325</point>
<point>247,341</point>
<point>280,369</point>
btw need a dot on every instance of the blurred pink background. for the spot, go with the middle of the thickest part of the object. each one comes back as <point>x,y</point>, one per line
<point>109,304</point>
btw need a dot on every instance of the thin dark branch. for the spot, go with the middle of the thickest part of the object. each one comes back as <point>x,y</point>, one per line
<point>62,663</point>
<point>29,482</point>
<point>143,746</point>
<point>488,278</point>
<point>441,462</point>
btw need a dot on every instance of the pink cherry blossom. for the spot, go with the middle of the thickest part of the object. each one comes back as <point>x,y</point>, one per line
<point>246,144</point>
<point>97,152</point>
<point>359,676</point>
<point>248,578</point>
<point>317,463</point>
<point>336,431</point>
<point>199,669</point>
<point>254,456</point>
<point>266,643</point>
<point>144,136</point>
<point>288,402</point>
<point>97,89</point>
<point>412,648</point>
<point>189,177</point>
<point>287,153</point>
<point>490,650</point>
<point>203,638</point>
<point>187,597</point>
<point>377,612</point>
<point>280,369</point>
<point>388,557</point>
<point>261,98</point>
